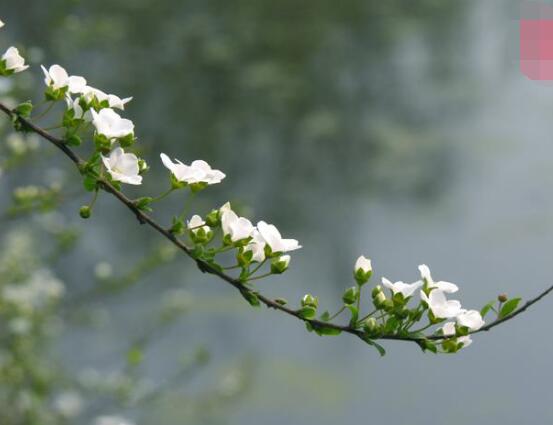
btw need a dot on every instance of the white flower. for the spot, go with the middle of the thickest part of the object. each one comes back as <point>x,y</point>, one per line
<point>197,172</point>
<point>68,404</point>
<point>113,100</point>
<point>471,319</point>
<point>109,124</point>
<point>441,307</point>
<point>57,78</point>
<point>112,420</point>
<point>256,246</point>
<point>196,223</point>
<point>447,287</point>
<point>449,330</point>
<point>40,289</point>
<point>1,24</point>
<point>13,60</point>
<point>363,264</point>
<point>272,237</point>
<point>123,167</point>
<point>405,289</point>
<point>78,110</point>
<point>237,227</point>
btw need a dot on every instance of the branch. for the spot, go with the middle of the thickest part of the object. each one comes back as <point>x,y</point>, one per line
<point>205,267</point>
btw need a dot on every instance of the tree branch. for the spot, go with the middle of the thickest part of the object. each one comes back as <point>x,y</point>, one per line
<point>207,268</point>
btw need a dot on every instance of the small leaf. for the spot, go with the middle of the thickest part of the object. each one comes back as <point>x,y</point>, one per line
<point>251,297</point>
<point>379,347</point>
<point>509,307</point>
<point>487,308</point>
<point>325,316</point>
<point>426,344</point>
<point>326,331</point>
<point>90,182</point>
<point>281,301</point>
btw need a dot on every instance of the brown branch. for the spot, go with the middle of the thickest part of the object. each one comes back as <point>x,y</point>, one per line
<point>208,268</point>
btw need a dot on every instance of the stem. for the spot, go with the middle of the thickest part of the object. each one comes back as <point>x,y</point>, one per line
<point>187,206</point>
<point>205,267</point>
<point>372,313</point>
<point>48,109</point>
<point>259,277</point>
<point>334,316</point>
<point>166,193</point>
<point>258,267</point>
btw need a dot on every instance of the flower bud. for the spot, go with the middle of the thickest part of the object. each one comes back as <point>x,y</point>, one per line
<point>279,265</point>
<point>502,298</point>
<point>362,270</point>
<point>370,325</point>
<point>380,299</point>
<point>142,166</point>
<point>376,290</point>
<point>309,300</point>
<point>213,219</point>
<point>350,295</point>
<point>85,211</point>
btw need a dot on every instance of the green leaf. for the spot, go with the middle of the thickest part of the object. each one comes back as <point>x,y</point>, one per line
<point>391,325</point>
<point>379,347</point>
<point>426,344</point>
<point>485,310</point>
<point>281,301</point>
<point>90,182</point>
<point>509,307</point>
<point>251,297</point>
<point>142,203</point>
<point>325,316</point>
<point>325,330</point>
<point>73,140</point>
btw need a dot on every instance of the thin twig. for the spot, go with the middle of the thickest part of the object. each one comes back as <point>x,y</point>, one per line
<point>208,268</point>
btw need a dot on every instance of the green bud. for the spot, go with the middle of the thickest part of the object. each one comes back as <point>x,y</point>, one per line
<point>127,141</point>
<point>279,265</point>
<point>376,290</point>
<point>213,219</point>
<point>380,299</point>
<point>350,295</point>
<point>370,325</point>
<point>73,140</point>
<point>244,258</point>
<point>201,235</point>
<point>143,166</point>
<point>24,109</point>
<point>85,212</point>
<point>387,305</point>
<point>102,143</point>
<point>309,300</point>
<point>178,226</point>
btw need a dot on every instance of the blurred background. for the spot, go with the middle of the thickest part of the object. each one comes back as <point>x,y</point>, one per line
<point>401,130</point>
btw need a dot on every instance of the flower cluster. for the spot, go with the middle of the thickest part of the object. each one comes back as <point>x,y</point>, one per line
<point>91,112</point>
<point>393,316</point>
